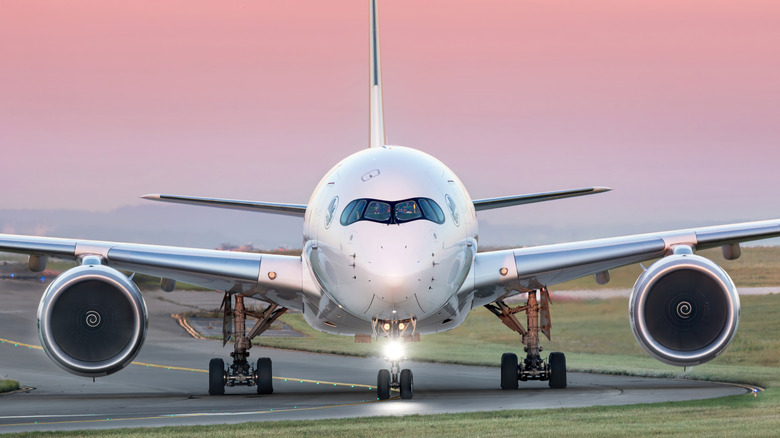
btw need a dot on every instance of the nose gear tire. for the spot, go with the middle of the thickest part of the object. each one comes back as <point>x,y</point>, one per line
<point>407,384</point>
<point>383,385</point>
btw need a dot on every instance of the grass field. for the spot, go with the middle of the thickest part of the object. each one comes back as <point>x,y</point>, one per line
<point>8,385</point>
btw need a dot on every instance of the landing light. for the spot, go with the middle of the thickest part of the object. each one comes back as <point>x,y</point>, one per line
<point>394,351</point>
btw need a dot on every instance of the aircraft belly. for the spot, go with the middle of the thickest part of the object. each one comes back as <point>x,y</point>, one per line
<point>328,316</point>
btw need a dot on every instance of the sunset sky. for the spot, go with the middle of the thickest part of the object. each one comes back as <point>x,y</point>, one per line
<point>674,104</point>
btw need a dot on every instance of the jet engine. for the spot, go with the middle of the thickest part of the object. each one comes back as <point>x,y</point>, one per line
<point>684,309</point>
<point>92,320</point>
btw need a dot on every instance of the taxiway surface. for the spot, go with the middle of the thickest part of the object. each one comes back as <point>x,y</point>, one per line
<point>167,385</point>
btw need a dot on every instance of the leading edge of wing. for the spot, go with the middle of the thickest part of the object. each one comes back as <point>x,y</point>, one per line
<point>533,267</point>
<point>298,210</point>
<point>508,201</point>
<point>274,277</point>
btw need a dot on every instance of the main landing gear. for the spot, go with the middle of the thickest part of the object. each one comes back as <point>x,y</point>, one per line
<point>241,372</point>
<point>396,378</point>
<point>533,367</point>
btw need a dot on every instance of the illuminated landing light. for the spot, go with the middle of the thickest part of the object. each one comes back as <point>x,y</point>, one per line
<point>394,351</point>
<point>503,271</point>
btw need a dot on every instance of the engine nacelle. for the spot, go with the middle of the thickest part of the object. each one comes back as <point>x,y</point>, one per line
<point>684,310</point>
<point>92,320</point>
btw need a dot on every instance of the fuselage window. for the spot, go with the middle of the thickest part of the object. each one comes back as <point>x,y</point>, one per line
<point>392,212</point>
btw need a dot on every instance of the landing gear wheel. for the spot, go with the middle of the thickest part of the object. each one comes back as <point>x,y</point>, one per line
<point>383,385</point>
<point>557,363</point>
<point>407,384</point>
<point>216,377</point>
<point>265,377</point>
<point>509,371</point>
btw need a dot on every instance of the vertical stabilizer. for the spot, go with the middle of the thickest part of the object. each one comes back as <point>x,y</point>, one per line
<point>377,121</point>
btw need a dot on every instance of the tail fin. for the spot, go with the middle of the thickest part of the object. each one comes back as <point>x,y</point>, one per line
<point>377,121</point>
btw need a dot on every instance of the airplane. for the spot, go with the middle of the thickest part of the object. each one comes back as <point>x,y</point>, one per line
<point>390,250</point>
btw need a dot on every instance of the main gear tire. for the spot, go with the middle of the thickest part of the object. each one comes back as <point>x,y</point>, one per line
<point>216,377</point>
<point>509,368</point>
<point>557,362</point>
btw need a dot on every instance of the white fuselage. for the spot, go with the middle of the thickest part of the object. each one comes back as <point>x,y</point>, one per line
<point>381,265</point>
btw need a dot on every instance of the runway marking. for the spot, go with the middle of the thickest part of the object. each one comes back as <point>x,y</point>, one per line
<point>199,414</point>
<point>197,370</point>
<point>186,326</point>
<point>19,344</point>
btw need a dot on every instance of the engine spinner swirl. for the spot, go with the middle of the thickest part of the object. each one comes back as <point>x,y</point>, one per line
<point>93,318</point>
<point>684,310</point>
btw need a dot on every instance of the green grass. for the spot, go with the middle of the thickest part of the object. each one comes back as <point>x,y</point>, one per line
<point>742,416</point>
<point>8,385</point>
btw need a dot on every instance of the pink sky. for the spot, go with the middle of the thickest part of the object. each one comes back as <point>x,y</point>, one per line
<point>674,104</point>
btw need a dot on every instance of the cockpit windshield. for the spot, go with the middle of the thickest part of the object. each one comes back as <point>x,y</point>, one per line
<point>392,212</point>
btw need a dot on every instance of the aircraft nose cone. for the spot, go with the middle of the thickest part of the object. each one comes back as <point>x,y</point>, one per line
<point>396,271</point>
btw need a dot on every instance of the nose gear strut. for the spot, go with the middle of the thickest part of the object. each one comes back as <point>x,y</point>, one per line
<point>395,377</point>
<point>241,372</point>
<point>533,367</point>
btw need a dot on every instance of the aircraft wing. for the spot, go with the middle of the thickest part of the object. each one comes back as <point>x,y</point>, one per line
<point>298,210</point>
<point>509,201</point>
<point>275,278</point>
<point>533,267</point>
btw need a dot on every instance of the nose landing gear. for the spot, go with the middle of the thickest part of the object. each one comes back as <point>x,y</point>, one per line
<point>402,381</point>
<point>396,378</point>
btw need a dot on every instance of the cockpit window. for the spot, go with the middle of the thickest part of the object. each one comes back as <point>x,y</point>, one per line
<point>431,210</point>
<point>392,212</point>
<point>377,211</point>
<point>353,211</point>
<point>407,211</point>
